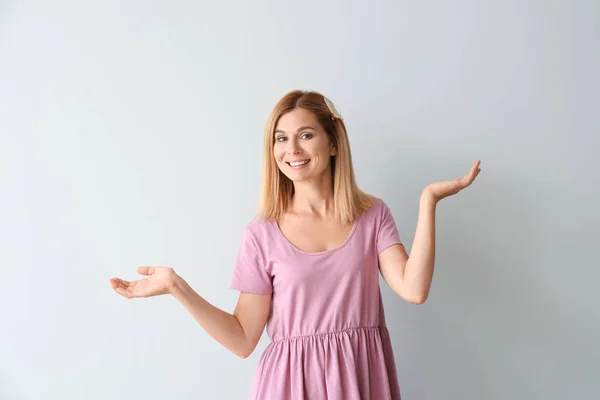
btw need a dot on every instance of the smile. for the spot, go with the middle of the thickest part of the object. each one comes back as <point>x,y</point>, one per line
<point>298,164</point>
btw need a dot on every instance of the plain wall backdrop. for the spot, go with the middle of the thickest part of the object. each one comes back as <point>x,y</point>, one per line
<point>131,134</point>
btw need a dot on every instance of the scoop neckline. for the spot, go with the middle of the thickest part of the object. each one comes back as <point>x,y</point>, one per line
<point>318,253</point>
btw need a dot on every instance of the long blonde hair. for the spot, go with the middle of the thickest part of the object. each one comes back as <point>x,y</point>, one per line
<point>277,189</point>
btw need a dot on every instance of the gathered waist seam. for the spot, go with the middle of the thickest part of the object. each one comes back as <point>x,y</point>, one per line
<point>329,333</point>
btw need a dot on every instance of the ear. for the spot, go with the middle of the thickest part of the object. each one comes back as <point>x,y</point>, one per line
<point>333,151</point>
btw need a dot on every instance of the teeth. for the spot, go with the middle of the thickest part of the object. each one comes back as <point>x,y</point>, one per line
<point>295,164</point>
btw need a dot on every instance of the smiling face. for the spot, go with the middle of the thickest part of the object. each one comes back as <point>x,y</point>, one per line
<point>302,148</point>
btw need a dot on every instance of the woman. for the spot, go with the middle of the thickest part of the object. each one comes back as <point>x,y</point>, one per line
<point>308,265</point>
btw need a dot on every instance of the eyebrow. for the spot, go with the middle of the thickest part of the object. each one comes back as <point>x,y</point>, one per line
<point>299,129</point>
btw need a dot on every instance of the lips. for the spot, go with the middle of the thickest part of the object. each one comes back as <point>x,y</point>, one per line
<point>298,164</point>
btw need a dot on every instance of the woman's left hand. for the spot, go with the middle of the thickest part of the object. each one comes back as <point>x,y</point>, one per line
<point>440,190</point>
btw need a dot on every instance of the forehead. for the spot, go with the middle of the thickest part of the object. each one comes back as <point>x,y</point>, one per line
<point>291,121</point>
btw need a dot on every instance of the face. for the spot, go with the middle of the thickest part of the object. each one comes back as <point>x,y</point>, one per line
<point>302,148</point>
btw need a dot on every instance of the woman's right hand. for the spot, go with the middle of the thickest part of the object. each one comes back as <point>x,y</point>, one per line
<point>160,281</point>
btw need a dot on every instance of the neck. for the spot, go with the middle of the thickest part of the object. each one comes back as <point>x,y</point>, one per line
<point>314,197</point>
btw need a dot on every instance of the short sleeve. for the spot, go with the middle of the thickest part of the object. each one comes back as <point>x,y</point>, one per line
<point>249,272</point>
<point>387,232</point>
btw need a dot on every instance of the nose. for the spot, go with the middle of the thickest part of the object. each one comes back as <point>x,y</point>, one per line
<point>293,147</point>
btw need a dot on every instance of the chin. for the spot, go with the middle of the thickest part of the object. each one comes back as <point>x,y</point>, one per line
<point>295,177</point>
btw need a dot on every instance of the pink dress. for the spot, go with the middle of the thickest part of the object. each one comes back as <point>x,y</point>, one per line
<point>327,327</point>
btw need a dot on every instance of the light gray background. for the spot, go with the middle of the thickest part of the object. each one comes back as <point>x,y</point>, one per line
<point>131,134</point>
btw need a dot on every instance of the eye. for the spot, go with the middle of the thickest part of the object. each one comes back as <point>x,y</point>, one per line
<point>307,134</point>
<point>278,139</point>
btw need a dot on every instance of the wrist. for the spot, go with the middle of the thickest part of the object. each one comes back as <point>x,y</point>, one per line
<point>176,286</point>
<point>427,197</point>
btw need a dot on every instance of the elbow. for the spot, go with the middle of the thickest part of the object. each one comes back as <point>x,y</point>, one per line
<point>245,351</point>
<point>417,298</point>
<point>243,354</point>
<point>413,294</point>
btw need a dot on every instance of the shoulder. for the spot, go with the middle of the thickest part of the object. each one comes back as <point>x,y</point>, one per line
<point>261,238</point>
<point>378,209</point>
<point>260,231</point>
<point>379,215</point>
<point>258,225</point>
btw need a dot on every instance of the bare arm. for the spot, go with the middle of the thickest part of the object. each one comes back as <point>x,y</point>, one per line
<point>410,277</point>
<point>239,332</point>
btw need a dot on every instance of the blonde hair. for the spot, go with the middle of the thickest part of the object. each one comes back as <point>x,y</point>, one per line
<point>277,189</point>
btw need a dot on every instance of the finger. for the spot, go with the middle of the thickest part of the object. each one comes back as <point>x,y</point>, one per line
<point>473,176</point>
<point>125,293</point>
<point>117,287</point>
<point>129,292</point>
<point>475,169</point>
<point>467,180</point>
<point>114,282</point>
<point>146,270</point>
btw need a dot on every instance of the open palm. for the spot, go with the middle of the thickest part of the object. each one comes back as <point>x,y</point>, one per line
<point>443,189</point>
<point>159,281</point>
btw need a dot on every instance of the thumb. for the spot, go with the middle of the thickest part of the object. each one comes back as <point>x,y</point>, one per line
<point>146,270</point>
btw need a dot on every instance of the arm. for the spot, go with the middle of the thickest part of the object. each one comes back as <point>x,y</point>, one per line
<point>410,277</point>
<point>239,332</point>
